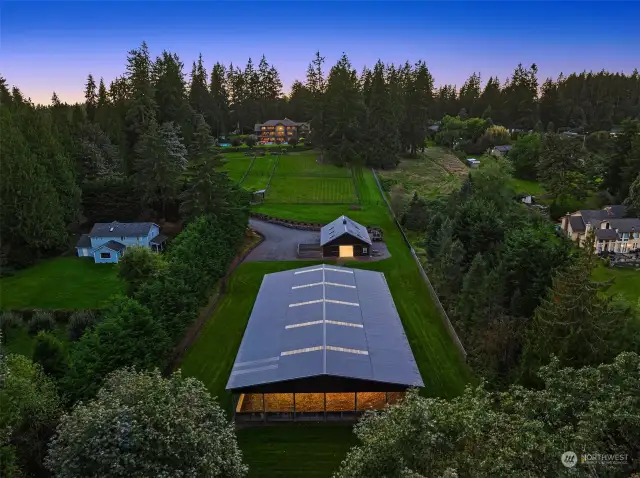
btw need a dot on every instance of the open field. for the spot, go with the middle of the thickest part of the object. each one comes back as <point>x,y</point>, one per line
<point>431,174</point>
<point>305,164</point>
<point>312,190</point>
<point>259,174</point>
<point>236,167</point>
<point>295,450</point>
<point>626,282</point>
<point>61,283</point>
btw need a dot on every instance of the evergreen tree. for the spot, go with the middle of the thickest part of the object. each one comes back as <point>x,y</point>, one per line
<point>561,166</point>
<point>491,100</point>
<point>219,120</point>
<point>469,301</point>
<point>470,95</point>
<point>381,140</point>
<point>624,165</point>
<point>199,97</point>
<point>344,108</point>
<point>520,96</point>
<point>317,86</point>
<point>91,99</point>
<point>162,158</point>
<point>141,109</point>
<point>170,91</point>
<point>419,101</point>
<point>576,322</point>
<point>103,98</point>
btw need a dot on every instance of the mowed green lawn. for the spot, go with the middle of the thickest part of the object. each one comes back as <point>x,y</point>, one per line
<point>296,450</point>
<point>259,174</point>
<point>287,189</point>
<point>626,282</point>
<point>236,167</point>
<point>306,164</point>
<point>61,283</point>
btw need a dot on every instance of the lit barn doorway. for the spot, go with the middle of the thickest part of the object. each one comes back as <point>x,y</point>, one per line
<point>346,251</point>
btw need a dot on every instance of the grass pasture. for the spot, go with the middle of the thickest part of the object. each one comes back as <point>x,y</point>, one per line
<point>259,174</point>
<point>61,283</point>
<point>626,282</point>
<point>429,174</point>
<point>236,167</point>
<point>305,164</point>
<point>303,190</point>
<point>295,450</point>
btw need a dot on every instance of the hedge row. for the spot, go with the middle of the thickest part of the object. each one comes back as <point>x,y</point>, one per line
<point>59,315</point>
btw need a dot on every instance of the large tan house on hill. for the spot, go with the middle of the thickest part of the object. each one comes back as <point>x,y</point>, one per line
<point>282,130</point>
<point>614,232</point>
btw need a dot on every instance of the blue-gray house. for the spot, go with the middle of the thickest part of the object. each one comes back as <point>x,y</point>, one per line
<point>107,241</point>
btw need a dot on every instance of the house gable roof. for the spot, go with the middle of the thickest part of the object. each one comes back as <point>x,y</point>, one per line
<point>113,245</point>
<point>121,229</point>
<point>83,242</point>
<point>628,224</point>
<point>284,122</point>
<point>343,226</point>
<point>606,234</point>
<point>577,224</point>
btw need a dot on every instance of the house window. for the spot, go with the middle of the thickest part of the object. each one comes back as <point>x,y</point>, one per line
<point>105,255</point>
<point>625,236</point>
<point>364,250</point>
<point>122,238</point>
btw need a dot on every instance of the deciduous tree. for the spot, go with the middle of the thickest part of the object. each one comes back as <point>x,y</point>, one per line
<point>162,436</point>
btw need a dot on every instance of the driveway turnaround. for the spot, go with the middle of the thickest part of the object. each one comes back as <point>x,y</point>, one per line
<point>281,243</point>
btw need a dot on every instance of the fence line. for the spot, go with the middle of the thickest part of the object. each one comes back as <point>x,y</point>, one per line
<point>423,273</point>
<point>273,171</point>
<point>246,173</point>
<point>355,184</point>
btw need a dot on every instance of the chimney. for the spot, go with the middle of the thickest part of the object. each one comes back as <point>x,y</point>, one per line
<point>344,220</point>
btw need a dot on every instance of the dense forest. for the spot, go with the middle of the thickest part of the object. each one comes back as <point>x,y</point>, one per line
<point>74,156</point>
<point>144,147</point>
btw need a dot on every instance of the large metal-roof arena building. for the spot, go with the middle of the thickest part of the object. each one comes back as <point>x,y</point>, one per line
<point>322,342</point>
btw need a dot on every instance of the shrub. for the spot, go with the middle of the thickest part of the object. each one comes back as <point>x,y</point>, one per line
<point>41,320</point>
<point>79,322</point>
<point>50,354</point>
<point>293,141</point>
<point>236,142</point>
<point>9,319</point>
<point>251,140</point>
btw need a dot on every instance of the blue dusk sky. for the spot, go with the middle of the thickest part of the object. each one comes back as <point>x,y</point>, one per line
<point>52,46</point>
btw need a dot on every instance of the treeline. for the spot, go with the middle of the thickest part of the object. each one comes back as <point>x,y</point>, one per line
<point>486,434</point>
<point>137,151</point>
<point>515,291</point>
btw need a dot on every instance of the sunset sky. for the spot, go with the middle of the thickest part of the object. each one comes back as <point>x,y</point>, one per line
<point>52,46</point>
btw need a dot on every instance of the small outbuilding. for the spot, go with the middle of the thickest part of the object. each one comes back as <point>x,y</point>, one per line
<point>345,238</point>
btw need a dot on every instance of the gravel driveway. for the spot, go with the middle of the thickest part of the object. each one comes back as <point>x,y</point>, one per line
<point>281,243</point>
